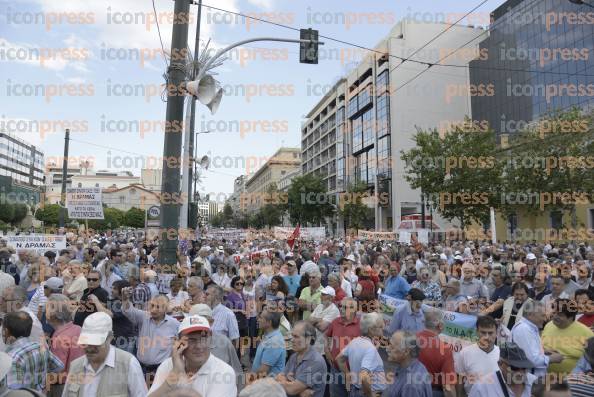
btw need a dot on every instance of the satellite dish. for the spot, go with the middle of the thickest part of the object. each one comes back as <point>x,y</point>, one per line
<point>205,162</point>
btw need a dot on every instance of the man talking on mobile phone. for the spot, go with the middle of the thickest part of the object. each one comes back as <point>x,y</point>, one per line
<point>191,366</point>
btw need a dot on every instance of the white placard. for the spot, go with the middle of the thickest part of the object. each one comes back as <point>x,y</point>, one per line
<point>423,236</point>
<point>404,237</point>
<point>84,203</point>
<point>37,242</point>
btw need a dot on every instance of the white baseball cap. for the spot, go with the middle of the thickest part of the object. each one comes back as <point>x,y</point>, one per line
<point>193,323</point>
<point>351,258</point>
<point>201,309</point>
<point>328,291</point>
<point>95,329</point>
<point>530,256</point>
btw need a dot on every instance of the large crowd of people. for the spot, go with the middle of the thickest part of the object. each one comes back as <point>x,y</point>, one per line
<point>278,318</point>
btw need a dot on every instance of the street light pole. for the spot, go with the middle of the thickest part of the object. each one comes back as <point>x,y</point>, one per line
<point>581,2</point>
<point>170,188</point>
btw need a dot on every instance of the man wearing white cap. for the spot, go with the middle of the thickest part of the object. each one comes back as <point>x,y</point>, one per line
<point>104,370</point>
<point>192,366</point>
<point>221,346</point>
<point>323,315</point>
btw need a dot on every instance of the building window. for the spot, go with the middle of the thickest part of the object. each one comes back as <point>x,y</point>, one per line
<point>122,199</point>
<point>384,156</point>
<point>79,184</point>
<point>591,212</point>
<point>353,107</point>
<point>367,126</point>
<point>512,225</point>
<point>96,185</point>
<point>357,129</point>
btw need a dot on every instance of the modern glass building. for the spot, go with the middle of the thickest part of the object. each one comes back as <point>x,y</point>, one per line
<point>537,56</point>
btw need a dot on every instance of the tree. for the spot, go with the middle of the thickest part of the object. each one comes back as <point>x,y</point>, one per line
<point>308,200</point>
<point>20,213</point>
<point>217,220</point>
<point>49,214</point>
<point>7,212</point>
<point>113,218</point>
<point>355,213</point>
<point>546,165</point>
<point>135,218</point>
<point>458,172</point>
<point>227,214</point>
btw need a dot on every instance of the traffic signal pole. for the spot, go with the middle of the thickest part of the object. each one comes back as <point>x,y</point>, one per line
<point>172,161</point>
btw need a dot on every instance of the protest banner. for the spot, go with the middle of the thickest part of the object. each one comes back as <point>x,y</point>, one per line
<point>376,236</point>
<point>84,203</point>
<point>39,243</point>
<point>305,233</point>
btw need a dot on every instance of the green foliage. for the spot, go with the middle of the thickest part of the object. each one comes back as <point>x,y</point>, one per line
<point>308,201</point>
<point>558,148</point>
<point>217,220</point>
<point>134,217</point>
<point>7,212</point>
<point>228,213</point>
<point>355,213</point>
<point>49,214</point>
<point>20,213</point>
<point>458,172</point>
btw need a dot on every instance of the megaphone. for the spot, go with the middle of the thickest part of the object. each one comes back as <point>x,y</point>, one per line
<point>216,101</point>
<point>203,89</point>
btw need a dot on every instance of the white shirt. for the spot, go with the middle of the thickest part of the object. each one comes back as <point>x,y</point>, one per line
<point>476,363</point>
<point>492,388</point>
<point>136,383</point>
<point>326,314</point>
<point>177,300</point>
<point>214,379</point>
<point>76,288</point>
<point>527,336</point>
<point>222,281</point>
<point>6,281</point>
<point>346,287</point>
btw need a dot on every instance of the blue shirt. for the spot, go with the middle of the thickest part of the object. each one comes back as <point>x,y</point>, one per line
<point>292,283</point>
<point>582,366</point>
<point>271,351</point>
<point>413,380</point>
<point>405,319</point>
<point>363,355</point>
<point>396,287</point>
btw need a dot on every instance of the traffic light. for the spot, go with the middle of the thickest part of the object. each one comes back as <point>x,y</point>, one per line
<point>309,51</point>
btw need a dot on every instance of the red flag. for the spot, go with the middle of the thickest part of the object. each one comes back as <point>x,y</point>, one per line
<point>294,236</point>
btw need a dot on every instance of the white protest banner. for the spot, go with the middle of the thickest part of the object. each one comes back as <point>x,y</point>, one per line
<point>39,243</point>
<point>423,236</point>
<point>84,203</point>
<point>404,237</point>
<point>305,233</point>
<point>371,235</point>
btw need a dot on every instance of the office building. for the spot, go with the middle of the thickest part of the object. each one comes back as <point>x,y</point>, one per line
<point>356,132</point>
<point>21,170</point>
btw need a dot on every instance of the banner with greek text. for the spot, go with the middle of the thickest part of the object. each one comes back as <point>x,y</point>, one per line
<point>39,243</point>
<point>371,235</point>
<point>305,233</point>
<point>84,203</point>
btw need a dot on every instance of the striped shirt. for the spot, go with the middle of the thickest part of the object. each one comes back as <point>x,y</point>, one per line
<point>225,322</point>
<point>581,384</point>
<point>30,365</point>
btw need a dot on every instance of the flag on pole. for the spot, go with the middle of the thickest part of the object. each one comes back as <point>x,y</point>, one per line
<point>293,237</point>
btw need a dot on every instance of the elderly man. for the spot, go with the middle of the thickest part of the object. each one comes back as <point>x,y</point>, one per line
<point>395,285</point>
<point>202,259</point>
<point>339,334</point>
<point>410,377</point>
<point>104,370</point>
<point>64,338</point>
<point>266,387</point>
<point>86,307</point>
<point>334,281</point>
<point>409,316</point>
<point>470,286</point>
<point>225,321</point>
<point>75,289</point>
<point>454,301</point>
<point>436,355</point>
<point>526,334</point>
<point>271,352</point>
<point>311,296</point>
<point>360,361</point>
<point>323,315</point>
<point>31,361</point>
<point>192,366</point>
<point>12,300</point>
<point>306,368</point>
<point>156,330</point>
<point>220,346</point>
